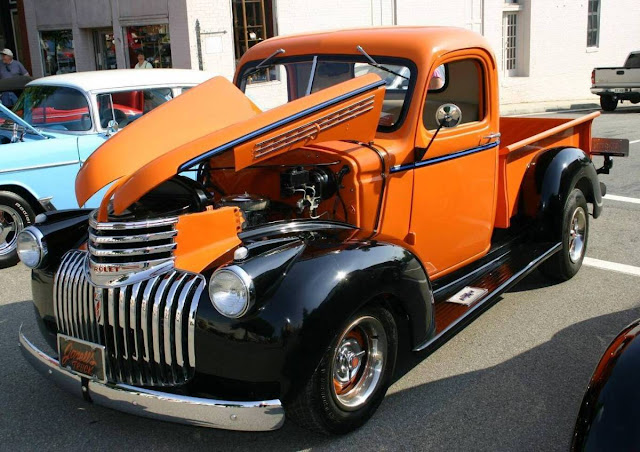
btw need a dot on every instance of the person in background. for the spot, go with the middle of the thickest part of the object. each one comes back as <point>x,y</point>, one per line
<point>10,68</point>
<point>142,63</point>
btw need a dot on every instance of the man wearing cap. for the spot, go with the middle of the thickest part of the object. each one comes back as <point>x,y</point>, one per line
<point>10,68</point>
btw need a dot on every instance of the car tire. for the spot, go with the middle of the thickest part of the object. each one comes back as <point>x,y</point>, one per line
<point>563,265</point>
<point>15,215</point>
<point>352,378</point>
<point>608,103</point>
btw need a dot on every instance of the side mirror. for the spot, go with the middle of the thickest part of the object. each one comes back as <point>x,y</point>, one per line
<point>448,115</point>
<point>112,127</point>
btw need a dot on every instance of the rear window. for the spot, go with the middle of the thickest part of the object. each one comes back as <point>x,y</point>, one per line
<point>633,61</point>
<point>55,108</point>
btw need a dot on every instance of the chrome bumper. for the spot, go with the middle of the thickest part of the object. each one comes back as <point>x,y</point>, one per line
<point>595,90</point>
<point>247,416</point>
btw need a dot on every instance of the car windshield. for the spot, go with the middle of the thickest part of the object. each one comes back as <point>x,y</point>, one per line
<point>633,61</point>
<point>297,77</point>
<point>54,108</point>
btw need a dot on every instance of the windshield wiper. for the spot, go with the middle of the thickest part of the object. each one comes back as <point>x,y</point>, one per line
<point>263,64</point>
<point>375,64</point>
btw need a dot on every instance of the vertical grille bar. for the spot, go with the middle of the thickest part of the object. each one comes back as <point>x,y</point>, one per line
<point>191,342</point>
<point>157,309</point>
<point>56,291</point>
<point>179,321</point>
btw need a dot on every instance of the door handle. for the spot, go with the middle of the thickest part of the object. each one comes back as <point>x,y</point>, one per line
<point>492,136</point>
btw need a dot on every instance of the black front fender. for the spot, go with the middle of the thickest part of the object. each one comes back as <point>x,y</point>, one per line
<point>298,315</point>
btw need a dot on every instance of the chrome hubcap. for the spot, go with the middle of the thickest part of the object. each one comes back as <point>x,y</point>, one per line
<point>10,225</point>
<point>577,230</point>
<point>358,362</point>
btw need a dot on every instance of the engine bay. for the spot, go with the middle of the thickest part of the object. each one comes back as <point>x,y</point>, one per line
<point>307,183</point>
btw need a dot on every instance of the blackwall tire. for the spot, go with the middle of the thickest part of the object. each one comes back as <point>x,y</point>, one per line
<point>353,377</point>
<point>15,215</point>
<point>564,265</point>
<point>608,103</point>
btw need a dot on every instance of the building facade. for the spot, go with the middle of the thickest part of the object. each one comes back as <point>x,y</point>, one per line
<point>545,48</point>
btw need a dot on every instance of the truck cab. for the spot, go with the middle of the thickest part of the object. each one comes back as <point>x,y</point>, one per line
<point>358,196</point>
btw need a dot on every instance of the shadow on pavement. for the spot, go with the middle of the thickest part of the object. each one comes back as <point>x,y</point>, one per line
<point>504,407</point>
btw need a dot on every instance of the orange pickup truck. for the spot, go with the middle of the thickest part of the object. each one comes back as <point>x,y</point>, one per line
<point>249,262</point>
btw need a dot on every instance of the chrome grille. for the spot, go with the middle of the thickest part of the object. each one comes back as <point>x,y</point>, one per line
<point>119,250</point>
<point>148,327</point>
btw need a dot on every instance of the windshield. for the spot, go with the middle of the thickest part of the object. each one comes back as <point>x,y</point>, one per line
<point>297,77</point>
<point>54,108</point>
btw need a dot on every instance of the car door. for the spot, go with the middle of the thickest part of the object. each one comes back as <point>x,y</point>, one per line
<point>453,205</point>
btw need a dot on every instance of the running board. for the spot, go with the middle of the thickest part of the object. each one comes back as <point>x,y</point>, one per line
<point>508,269</point>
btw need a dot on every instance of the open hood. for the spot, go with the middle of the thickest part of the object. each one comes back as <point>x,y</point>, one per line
<point>349,110</point>
<point>210,106</point>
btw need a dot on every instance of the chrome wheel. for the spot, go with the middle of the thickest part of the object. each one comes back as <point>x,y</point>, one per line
<point>358,362</point>
<point>10,225</point>
<point>577,230</point>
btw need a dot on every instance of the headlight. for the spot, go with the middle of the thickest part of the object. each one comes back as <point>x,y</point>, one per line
<point>31,247</point>
<point>231,291</point>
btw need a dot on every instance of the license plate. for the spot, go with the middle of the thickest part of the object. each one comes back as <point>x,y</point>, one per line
<point>82,358</point>
<point>620,90</point>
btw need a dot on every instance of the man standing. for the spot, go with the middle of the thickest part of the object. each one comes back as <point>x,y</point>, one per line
<point>10,68</point>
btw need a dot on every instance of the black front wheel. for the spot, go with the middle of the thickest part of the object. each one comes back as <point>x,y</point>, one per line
<point>353,377</point>
<point>563,265</point>
<point>608,103</point>
<point>15,215</point>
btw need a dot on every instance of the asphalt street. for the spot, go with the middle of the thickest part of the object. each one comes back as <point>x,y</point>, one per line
<point>512,380</point>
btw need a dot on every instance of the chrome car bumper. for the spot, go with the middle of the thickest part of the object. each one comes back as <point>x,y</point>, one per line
<point>247,416</point>
<point>634,90</point>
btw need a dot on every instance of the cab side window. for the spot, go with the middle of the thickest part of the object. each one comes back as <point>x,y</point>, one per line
<point>460,83</point>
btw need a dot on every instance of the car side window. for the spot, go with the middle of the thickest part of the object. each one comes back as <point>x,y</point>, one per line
<point>460,83</point>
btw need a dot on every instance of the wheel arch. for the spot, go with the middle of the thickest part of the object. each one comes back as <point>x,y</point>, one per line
<point>25,193</point>
<point>550,179</point>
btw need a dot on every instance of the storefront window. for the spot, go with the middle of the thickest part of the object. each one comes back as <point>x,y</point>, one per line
<point>58,55</point>
<point>152,41</point>
<point>253,23</point>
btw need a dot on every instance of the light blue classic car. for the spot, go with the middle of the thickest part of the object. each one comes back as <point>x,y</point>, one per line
<point>56,125</point>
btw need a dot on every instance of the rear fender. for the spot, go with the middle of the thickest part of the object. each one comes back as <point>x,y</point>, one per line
<point>550,179</point>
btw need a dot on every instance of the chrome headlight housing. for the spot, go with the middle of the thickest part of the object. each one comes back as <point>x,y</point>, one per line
<point>32,249</point>
<point>231,291</point>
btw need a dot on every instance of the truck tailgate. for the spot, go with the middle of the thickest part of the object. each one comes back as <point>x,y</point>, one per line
<point>617,77</point>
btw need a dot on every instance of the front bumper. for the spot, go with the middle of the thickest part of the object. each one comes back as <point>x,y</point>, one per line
<point>247,416</point>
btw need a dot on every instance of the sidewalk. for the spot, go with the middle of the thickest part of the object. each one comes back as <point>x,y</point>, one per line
<point>541,107</point>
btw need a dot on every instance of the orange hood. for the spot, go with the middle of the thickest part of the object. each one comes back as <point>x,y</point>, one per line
<point>193,114</point>
<point>349,110</point>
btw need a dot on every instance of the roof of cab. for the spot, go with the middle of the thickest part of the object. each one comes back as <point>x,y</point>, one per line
<point>125,78</point>
<point>414,43</point>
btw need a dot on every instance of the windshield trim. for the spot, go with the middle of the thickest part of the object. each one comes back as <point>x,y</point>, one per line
<point>413,68</point>
<point>21,122</point>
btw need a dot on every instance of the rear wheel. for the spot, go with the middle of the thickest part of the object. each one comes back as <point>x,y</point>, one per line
<point>608,103</point>
<point>15,215</point>
<point>563,265</point>
<point>353,377</point>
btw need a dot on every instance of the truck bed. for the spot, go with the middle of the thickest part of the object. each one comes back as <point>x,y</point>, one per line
<point>521,140</point>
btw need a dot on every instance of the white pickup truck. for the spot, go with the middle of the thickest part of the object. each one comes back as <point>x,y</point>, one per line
<point>615,84</point>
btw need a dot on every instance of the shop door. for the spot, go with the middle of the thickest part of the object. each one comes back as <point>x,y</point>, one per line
<point>105,49</point>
